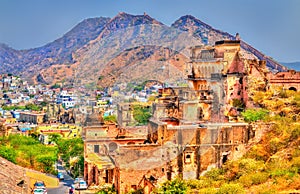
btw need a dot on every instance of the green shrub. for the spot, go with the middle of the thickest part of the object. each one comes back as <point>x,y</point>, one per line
<point>141,114</point>
<point>295,134</point>
<point>245,180</point>
<point>215,174</point>
<point>258,152</point>
<point>249,165</point>
<point>198,184</point>
<point>275,145</point>
<point>252,115</point>
<point>176,186</point>
<point>259,178</point>
<point>111,118</point>
<point>8,153</point>
<point>264,189</point>
<point>206,191</point>
<point>231,188</point>
<point>296,163</point>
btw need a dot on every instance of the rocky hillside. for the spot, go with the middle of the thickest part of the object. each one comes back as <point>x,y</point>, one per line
<point>30,62</point>
<point>134,65</point>
<point>12,178</point>
<point>92,60</point>
<point>81,55</point>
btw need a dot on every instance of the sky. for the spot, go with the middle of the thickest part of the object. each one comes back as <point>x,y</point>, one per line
<point>271,26</point>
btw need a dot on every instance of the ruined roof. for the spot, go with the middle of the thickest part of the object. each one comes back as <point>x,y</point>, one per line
<point>236,66</point>
<point>227,42</point>
<point>13,178</point>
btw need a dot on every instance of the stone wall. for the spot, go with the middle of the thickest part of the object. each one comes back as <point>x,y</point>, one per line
<point>289,80</point>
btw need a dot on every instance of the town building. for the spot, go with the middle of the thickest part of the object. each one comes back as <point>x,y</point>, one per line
<point>68,100</point>
<point>31,117</point>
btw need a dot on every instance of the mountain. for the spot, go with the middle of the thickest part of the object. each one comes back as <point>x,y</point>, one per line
<point>84,53</point>
<point>9,58</point>
<point>29,62</point>
<point>141,31</point>
<point>209,35</point>
<point>293,65</point>
<point>200,29</point>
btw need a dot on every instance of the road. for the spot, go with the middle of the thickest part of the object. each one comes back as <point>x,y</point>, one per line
<point>64,185</point>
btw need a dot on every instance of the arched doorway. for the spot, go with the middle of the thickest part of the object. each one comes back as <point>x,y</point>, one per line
<point>293,89</point>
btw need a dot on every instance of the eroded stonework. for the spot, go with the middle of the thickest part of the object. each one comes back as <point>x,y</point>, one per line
<point>192,129</point>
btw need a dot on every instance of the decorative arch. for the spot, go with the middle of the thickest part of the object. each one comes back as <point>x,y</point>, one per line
<point>293,89</point>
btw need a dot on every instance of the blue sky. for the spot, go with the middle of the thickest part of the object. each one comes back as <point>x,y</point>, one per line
<point>271,26</point>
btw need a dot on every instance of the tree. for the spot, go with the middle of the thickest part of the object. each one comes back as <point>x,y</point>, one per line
<point>32,107</point>
<point>47,162</point>
<point>28,152</point>
<point>252,115</point>
<point>54,137</point>
<point>110,118</point>
<point>8,153</point>
<point>141,114</point>
<point>71,148</point>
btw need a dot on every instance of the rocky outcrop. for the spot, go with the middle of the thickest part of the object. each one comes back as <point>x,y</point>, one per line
<point>13,178</point>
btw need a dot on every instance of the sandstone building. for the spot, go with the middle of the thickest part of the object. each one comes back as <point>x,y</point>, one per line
<point>192,129</point>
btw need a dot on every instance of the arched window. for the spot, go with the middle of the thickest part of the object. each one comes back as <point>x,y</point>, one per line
<point>187,158</point>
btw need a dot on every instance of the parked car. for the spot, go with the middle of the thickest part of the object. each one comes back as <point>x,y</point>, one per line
<point>39,191</point>
<point>81,185</point>
<point>39,185</point>
<point>60,176</point>
<point>78,179</point>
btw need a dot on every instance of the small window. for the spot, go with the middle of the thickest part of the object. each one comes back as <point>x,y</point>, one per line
<point>96,148</point>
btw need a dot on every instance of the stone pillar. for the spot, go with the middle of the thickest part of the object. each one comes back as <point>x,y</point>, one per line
<point>96,176</point>
<point>198,153</point>
<point>90,175</point>
<point>85,171</point>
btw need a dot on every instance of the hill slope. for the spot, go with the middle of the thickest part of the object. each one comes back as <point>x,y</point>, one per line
<point>134,65</point>
<point>81,54</point>
<point>29,62</point>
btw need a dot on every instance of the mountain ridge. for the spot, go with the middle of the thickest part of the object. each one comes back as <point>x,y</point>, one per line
<point>210,35</point>
<point>84,44</point>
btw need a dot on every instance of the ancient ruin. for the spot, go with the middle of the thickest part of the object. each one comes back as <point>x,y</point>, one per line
<point>192,129</point>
